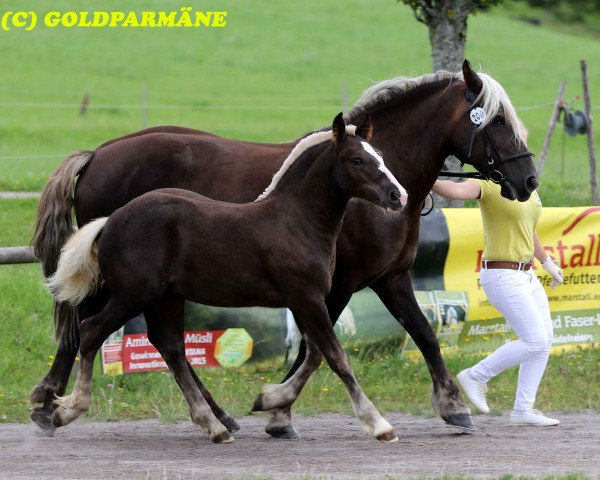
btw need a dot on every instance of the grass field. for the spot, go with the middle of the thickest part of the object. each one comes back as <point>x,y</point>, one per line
<point>572,380</point>
<point>278,69</point>
<point>272,74</point>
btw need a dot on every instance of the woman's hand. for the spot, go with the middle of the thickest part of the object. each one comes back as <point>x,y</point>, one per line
<point>551,266</point>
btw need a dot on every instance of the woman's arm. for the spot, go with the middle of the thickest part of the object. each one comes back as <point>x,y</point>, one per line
<point>550,265</point>
<point>538,249</point>
<point>469,190</point>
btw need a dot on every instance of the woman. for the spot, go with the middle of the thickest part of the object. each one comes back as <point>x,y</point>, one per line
<point>513,288</point>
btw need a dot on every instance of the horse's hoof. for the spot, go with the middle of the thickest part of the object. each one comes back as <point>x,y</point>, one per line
<point>287,431</point>
<point>257,406</point>
<point>223,437</point>
<point>463,421</point>
<point>42,419</point>
<point>230,423</point>
<point>387,437</point>
<point>38,394</point>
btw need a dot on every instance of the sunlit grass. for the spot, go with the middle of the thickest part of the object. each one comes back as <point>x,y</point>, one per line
<point>267,80</point>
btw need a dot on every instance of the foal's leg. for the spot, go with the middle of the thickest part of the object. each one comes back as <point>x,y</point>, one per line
<point>152,319</point>
<point>397,294</point>
<point>283,395</point>
<point>55,382</point>
<point>313,320</point>
<point>93,331</point>
<point>167,336</point>
<point>280,423</point>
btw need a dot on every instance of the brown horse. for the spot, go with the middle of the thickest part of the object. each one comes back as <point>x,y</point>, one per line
<point>418,123</point>
<point>170,245</point>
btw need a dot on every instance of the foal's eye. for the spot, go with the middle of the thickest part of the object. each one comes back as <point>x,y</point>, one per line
<point>357,162</point>
<point>498,121</point>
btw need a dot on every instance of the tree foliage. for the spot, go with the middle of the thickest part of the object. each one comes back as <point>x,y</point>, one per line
<point>572,11</point>
<point>428,11</point>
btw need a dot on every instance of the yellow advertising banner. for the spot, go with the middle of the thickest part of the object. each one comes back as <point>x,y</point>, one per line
<point>571,236</point>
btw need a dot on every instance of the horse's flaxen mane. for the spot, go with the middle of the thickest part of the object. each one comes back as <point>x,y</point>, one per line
<point>302,146</point>
<point>493,98</point>
<point>388,90</point>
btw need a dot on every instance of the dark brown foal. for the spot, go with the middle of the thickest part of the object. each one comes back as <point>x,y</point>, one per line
<point>170,245</point>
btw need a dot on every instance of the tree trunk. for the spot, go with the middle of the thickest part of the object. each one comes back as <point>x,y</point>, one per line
<point>447,35</point>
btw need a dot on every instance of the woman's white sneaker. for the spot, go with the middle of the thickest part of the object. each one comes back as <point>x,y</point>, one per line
<point>532,418</point>
<point>474,390</point>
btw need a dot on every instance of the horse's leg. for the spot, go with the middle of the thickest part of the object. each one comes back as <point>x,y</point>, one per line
<point>396,292</point>
<point>313,320</point>
<point>54,384</point>
<point>275,397</point>
<point>167,336</point>
<point>225,418</point>
<point>280,423</point>
<point>93,331</point>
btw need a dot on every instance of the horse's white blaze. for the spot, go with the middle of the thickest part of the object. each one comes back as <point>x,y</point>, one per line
<point>369,149</point>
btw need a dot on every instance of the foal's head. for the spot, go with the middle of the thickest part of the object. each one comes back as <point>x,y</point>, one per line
<point>360,171</point>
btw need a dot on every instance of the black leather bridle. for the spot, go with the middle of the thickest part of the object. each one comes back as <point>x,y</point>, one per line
<point>491,152</point>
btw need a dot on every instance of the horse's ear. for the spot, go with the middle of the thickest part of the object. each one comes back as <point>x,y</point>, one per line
<point>471,78</point>
<point>339,127</point>
<point>365,129</point>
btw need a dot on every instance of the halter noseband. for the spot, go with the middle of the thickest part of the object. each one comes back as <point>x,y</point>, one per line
<point>491,152</point>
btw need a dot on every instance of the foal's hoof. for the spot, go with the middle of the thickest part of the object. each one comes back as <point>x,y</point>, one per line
<point>387,437</point>
<point>42,419</point>
<point>286,431</point>
<point>230,423</point>
<point>223,437</point>
<point>463,421</point>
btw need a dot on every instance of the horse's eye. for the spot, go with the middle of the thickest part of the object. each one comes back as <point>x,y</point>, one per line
<point>498,121</point>
<point>357,162</point>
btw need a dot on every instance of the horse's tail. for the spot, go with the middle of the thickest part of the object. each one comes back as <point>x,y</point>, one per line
<point>78,272</point>
<point>53,226</point>
<point>54,220</point>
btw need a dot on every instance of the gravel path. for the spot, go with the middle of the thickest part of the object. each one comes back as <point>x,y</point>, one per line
<point>331,446</point>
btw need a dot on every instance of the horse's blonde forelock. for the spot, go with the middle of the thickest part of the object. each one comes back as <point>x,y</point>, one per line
<point>494,100</point>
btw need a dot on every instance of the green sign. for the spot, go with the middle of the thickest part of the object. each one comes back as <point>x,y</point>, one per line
<point>233,348</point>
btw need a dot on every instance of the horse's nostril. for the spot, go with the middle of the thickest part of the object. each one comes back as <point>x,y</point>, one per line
<point>532,183</point>
<point>394,196</point>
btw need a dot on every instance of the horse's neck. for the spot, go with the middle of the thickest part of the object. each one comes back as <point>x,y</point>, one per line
<point>309,194</point>
<point>414,135</point>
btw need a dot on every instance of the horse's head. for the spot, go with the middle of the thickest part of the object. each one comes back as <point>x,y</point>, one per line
<point>490,136</point>
<point>360,171</point>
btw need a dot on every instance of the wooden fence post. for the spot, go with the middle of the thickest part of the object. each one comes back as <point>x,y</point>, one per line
<point>551,127</point>
<point>12,255</point>
<point>591,146</point>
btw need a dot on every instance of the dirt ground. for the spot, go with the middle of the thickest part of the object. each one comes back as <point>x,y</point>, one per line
<point>331,446</point>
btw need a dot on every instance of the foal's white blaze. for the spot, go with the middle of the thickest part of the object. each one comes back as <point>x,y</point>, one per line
<point>369,149</point>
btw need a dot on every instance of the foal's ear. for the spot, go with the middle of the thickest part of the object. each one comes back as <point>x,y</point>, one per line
<point>365,129</point>
<point>339,127</point>
<point>471,78</point>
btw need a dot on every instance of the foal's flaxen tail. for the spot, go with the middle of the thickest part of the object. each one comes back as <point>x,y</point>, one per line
<point>53,226</point>
<point>78,273</point>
